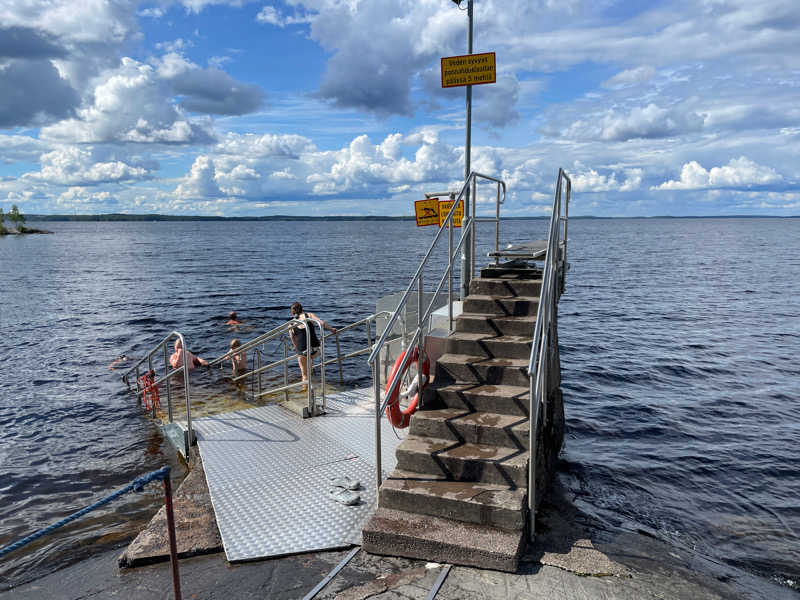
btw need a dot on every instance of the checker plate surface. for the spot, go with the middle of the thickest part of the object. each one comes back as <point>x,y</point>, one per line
<point>268,472</point>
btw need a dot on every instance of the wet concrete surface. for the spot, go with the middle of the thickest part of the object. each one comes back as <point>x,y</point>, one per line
<point>574,557</point>
<point>196,529</point>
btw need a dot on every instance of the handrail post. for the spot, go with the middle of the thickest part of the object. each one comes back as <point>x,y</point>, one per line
<point>466,249</point>
<point>322,363</point>
<point>450,272</point>
<point>189,432</point>
<point>150,369</point>
<point>258,362</point>
<point>376,384</point>
<point>421,340</point>
<point>309,371</point>
<point>285,370</point>
<point>472,230</point>
<point>339,355</point>
<point>497,228</point>
<point>173,546</point>
<point>167,382</point>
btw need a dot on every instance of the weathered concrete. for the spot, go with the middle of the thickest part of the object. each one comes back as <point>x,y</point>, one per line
<point>473,431</point>
<point>195,524</point>
<point>400,533</point>
<point>471,502</point>
<point>647,569</point>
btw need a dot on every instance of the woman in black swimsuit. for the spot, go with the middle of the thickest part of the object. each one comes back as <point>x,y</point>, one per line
<point>298,335</point>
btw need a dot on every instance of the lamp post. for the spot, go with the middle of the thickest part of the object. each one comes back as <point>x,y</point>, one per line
<point>466,250</point>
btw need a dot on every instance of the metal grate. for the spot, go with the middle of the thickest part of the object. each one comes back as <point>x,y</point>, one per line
<point>268,472</point>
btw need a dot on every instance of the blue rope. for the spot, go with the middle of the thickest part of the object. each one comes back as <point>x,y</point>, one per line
<point>137,485</point>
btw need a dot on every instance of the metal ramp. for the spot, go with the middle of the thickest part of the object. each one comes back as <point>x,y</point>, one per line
<point>268,471</point>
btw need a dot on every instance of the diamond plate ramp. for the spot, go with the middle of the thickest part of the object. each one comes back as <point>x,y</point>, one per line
<point>268,472</point>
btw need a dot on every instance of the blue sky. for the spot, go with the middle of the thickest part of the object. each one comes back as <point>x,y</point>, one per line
<point>334,107</point>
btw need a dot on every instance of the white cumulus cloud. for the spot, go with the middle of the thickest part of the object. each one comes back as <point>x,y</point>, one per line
<point>739,172</point>
<point>590,180</point>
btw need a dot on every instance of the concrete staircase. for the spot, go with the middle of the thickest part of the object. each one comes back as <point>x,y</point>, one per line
<point>459,493</point>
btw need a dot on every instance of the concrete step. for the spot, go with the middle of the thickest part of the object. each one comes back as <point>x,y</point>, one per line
<point>503,399</point>
<point>507,272</point>
<point>488,286</point>
<point>487,345</point>
<point>465,368</point>
<point>496,325</point>
<point>512,306</point>
<point>481,503</point>
<point>464,462</point>
<point>400,533</point>
<point>472,427</point>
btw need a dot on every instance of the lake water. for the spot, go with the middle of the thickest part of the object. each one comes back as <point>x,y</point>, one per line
<point>678,349</point>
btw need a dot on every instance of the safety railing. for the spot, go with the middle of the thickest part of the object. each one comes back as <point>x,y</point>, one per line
<point>467,242</point>
<point>258,346</point>
<point>544,338</point>
<point>159,348</point>
<point>137,485</point>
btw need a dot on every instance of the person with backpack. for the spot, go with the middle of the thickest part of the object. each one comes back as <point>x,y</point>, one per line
<point>305,350</point>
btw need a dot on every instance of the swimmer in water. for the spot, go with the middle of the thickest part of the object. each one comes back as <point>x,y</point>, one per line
<point>238,361</point>
<point>118,361</point>
<point>233,320</point>
<point>192,361</point>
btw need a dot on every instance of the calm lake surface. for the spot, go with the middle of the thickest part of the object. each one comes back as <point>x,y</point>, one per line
<point>679,350</point>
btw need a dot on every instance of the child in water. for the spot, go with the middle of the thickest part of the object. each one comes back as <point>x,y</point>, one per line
<point>238,361</point>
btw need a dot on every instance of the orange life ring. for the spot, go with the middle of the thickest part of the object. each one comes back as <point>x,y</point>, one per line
<point>397,417</point>
<point>150,397</point>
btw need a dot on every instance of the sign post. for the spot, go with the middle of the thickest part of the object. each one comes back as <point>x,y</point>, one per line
<point>468,70</point>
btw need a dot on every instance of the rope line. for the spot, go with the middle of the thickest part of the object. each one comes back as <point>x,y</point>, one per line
<point>137,485</point>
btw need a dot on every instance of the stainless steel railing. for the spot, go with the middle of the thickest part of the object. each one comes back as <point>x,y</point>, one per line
<point>280,333</point>
<point>168,374</point>
<point>467,242</point>
<point>541,359</point>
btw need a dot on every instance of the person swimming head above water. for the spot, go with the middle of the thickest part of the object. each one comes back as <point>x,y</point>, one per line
<point>192,361</point>
<point>233,319</point>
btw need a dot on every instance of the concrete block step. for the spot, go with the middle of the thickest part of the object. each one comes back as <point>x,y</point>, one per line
<point>496,325</point>
<point>469,502</point>
<point>465,368</point>
<point>503,399</point>
<point>472,427</point>
<point>464,462</point>
<point>488,345</point>
<point>399,533</point>
<point>499,286</point>
<point>507,272</point>
<point>512,306</point>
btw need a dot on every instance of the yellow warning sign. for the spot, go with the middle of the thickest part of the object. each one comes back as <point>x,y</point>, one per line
<point>469,69</point>
<point>427,212</point>
<point>444,209</point>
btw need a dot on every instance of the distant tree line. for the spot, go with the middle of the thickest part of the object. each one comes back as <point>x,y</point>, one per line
<point>16,217</point>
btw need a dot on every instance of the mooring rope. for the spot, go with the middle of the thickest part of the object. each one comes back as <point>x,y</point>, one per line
<point>137,485</point>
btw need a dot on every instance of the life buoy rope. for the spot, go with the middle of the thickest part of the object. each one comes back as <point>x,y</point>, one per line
<point>150,399</point>
<point>398,417</point>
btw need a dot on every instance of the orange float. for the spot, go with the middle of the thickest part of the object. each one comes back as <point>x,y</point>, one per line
<point>150,398</point>
<point>398,417</point>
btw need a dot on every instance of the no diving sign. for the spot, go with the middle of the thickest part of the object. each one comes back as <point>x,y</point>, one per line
<point>434,211</point>
<point>427,212</point>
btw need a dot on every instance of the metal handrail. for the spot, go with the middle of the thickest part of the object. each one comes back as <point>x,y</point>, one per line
<point>553,279</point>
<point>467,235</point>
<point>277,332</point>
<point>184,369</point>
<point>280,333</point>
